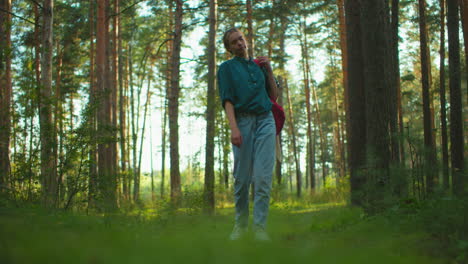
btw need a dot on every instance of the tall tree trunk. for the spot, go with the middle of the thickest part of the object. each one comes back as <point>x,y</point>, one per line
<point>443,100</point>
<point>210,110</point>
<point>92,184</point>
<point>430,159</point>
<point>163,146</point>
<point>398,151</point>
<point>356,110</point>
<point>305,63</point>
<point>323,139</point>
<point>134,123</point>
<point>122,108</point>
<point>282,81</point>
<point>396,124</point>
<point>456,115</point>
<point>48,164</point>
<point>153,196</point>
<point>106,179</point>
<point>114,88</point>
<point>464,19</point>
<point>58,121</point>
<point>250,33</point>
<point>5,94</point>
<point>174,104</point>
<point>292,131</point>
<point>344,66</point>
<point>374,26</point>
<point>136,193</point>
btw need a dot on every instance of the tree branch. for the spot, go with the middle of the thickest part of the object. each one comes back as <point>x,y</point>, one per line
<point>25,19</point>
<point>37,3</point>
<point>125,9</point>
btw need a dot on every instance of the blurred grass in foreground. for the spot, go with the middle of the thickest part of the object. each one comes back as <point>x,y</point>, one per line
<point>318,233</point>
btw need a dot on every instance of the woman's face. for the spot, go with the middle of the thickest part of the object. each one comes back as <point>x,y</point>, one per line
<point>237,44</point>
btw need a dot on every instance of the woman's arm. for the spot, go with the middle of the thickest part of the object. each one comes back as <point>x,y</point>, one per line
<point>236,137</point>
<point>273,89</point>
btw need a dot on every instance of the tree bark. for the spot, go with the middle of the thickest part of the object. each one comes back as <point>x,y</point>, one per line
<point>356,110</point>
<point>48,159</point>
<point>174,105</point>
<point>5,94</point>
<point>443,100</point>
<point>106,177</point>
<point>429,151</point>
<point>292,131</point>
<point>310,151</point>
<point>344,66</point>
<point>374,28</point>
<point>210,110</point>
<point>92,184</point>
<point>456,115</point>
<point>250,33</point>
<point>464,19</point>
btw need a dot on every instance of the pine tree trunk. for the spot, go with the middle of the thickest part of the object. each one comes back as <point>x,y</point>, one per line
<point>305,63</point>
<point>464,19</point>
<point>122,108</point>
<point>344,65</point>
<point>292,132</point>
<point>250,33</point>
<point>106,178</point>
<point>396,124</point>
<point>430,159</point>
<point>456,116</point>
<point>443,100</point>
<point>174,105</point>
<point>281,80</point>
<point>356,106</point>
<point>92,184</point>
<point>48,159</point>
<point>375,46</point>
<point>210,111</point>
<point>5,94</point>
<point>114,87</point>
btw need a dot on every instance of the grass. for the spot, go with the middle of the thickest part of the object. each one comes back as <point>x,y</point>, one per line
<point>320,233</point>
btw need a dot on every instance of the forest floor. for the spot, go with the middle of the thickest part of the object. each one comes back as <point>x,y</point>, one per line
<point>320,233</point>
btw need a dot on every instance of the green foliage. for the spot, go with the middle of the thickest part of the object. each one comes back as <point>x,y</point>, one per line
<point>446,219</point>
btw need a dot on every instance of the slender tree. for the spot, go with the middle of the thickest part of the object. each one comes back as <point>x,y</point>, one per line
<point>292,132</point>
<point>173,96</point>
<point>464,19</point>
<point>92,184</point>
<point>443,100</point>
<point>250,32</point>
<point>5,93</point>
<point>210,110</point>
<point>429,152</point>
<point>310,150</point>
<point>456,116</point>
<point>48,139</point>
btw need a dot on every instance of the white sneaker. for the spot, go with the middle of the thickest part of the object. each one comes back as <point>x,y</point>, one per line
<point>261,234</point>
<point>237,232</point>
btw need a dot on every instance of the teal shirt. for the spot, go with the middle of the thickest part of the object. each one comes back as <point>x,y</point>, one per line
<point>242,82</point>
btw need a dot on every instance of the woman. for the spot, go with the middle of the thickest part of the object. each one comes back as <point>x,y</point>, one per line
<point>245,91</point>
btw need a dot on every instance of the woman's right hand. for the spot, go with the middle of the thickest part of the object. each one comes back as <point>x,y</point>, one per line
<point>236,137</point>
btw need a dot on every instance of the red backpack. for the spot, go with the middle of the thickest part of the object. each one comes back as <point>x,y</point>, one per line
<point>276,109</point>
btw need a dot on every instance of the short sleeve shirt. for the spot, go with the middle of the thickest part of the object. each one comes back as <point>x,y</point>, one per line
<point>242,82</point>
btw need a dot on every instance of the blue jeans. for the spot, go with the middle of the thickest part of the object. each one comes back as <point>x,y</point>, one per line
<point>254,161</point>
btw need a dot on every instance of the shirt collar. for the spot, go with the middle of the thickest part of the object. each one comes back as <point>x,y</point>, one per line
<point>243,59</point>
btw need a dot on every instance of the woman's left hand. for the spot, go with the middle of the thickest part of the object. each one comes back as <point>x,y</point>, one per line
<point>264,61</point>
